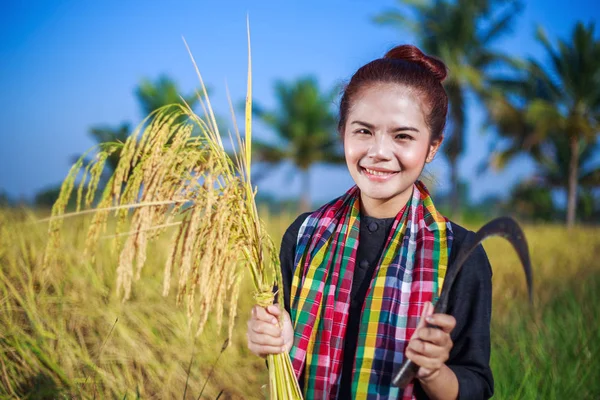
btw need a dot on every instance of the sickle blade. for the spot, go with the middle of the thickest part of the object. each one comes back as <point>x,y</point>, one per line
<point>509,229</point>
<point>505,227</point>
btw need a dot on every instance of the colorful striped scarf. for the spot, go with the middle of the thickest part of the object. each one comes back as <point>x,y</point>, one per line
<point>409,273</point>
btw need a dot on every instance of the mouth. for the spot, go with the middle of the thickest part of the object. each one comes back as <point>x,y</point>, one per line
<point>378,174</point>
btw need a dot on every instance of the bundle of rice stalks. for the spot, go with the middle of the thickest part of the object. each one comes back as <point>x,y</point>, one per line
<point>175,174</point>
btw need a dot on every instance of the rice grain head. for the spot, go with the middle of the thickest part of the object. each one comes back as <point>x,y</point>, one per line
<point>165,173</point>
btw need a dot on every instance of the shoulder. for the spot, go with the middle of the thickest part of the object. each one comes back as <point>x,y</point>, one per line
<point>478,258</point>
<point>294,228</point>
<point>288,242</point>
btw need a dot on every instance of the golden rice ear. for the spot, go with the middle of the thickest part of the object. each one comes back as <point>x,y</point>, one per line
<point>233,300</point>
<point>167,178</point>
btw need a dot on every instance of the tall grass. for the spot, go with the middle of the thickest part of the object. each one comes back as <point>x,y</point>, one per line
<point>59,338</point>
<point>553,351</point>
<point>57,333</point>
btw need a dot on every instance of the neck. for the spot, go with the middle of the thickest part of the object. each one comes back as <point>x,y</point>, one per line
<point>388,208</point>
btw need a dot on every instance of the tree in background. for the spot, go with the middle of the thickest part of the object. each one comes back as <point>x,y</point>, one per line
<point>305,126</point>
<point>554,114</point>
<point>105,134</point>
<point>461,33</point>
<point>151,96</point>
<point>532,200</point>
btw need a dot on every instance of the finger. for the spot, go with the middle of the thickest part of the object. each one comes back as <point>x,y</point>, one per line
<point>274,310</point>
<point>261,314</point>
<point>264,340</point>
<point>424,313</point>
<point>263,351</point>
<point>265,328</point>
<point>428,350</point>
<point>434,335</point>
<point>445,322</point>
<point>423,361</point>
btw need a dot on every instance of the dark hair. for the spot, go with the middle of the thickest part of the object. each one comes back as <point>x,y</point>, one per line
<point>404,65</point>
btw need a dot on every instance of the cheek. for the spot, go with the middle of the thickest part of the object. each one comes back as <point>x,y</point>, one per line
<point>353,151</point>
<point>415,155</point>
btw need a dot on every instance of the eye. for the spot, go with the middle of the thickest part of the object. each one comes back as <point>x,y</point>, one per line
<point>403,136</point>
<point>363,131</point>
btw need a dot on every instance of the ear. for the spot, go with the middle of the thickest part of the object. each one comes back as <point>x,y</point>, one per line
<point>433,149</point>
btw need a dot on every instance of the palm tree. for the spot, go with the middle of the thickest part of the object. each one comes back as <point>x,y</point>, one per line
<point>554,114</point>
<point>460,33</point>
<point>306,128</point>
<point>100,134</point>
<point>532,199</point>
<point>153,95</point>
<point>555,163</point>
<point>104,134</point>
<point>532,196</point>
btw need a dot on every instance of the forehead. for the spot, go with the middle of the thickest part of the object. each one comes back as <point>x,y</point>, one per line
<point>388,103</point>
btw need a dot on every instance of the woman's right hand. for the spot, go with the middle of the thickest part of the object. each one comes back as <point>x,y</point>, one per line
<point>264,334</point>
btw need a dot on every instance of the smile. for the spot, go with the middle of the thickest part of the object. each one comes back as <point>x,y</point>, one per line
<point>378,175</point>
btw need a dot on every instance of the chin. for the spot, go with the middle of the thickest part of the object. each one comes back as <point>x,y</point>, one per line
<point>384,194</point>
<point>379,195</point>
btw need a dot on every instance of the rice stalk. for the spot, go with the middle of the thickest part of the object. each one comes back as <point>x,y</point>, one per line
<point>164,174</point>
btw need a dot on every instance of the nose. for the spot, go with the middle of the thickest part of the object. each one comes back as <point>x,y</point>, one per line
<point>381,148</point>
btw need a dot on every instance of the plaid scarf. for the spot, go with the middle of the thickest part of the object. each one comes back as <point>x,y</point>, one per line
<point>409,273</point>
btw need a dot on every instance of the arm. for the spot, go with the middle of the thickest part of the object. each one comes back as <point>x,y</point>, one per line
<point>471,304</point>
<point>467,364</point>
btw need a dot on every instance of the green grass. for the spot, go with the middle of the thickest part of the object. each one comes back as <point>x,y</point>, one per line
<point>66,334</point>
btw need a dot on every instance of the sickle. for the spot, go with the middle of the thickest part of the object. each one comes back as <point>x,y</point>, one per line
<point>504,227</point>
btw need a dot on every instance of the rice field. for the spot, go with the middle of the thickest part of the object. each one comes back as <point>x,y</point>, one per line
<point>64,333</point>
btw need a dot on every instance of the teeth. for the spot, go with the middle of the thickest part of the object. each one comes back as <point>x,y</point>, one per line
<point>377,173</point>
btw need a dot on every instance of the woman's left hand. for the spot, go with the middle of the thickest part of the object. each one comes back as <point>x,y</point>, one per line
<point>429,348</point>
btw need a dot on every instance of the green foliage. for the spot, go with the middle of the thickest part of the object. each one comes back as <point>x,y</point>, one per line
<point>151,96</point>
<point>305,126</point>
<point>105,134</point>
<point>47,197</point>
<point>531,201</point>
<point>554,114</point>
<point>163,91</point>
<point>556,353</point>
<point>461,33</point>
<point>5,199</point>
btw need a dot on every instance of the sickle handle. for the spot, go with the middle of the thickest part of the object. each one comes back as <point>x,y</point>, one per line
<point>407,373</point>
<point>408,369</point>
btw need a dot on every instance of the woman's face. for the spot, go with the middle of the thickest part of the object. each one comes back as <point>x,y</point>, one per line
<point>386,144</point>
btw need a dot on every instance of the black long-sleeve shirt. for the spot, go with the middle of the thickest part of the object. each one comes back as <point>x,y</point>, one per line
<point>470,303</point>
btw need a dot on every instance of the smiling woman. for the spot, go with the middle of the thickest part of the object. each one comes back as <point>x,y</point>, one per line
<point>360,274</point>
<point>385,155</point>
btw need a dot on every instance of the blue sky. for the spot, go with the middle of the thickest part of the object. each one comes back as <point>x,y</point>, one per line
<point>68,65</point>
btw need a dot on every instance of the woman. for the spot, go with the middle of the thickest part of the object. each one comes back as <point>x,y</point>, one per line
<point>360,274</point>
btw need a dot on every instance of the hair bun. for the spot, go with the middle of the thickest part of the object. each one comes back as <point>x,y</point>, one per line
<point>411,53</point>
